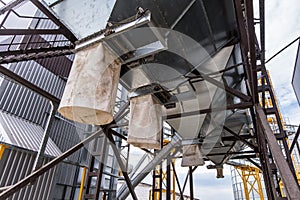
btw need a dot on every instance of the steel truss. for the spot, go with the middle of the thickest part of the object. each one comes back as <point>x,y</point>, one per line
<point>268,145</point>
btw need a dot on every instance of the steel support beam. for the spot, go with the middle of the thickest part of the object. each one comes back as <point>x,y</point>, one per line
<point>178,182</point>
<point>237,136</point>
<point>38,160</point>
<point>28,84</point>
<point>191,183</point>
<point>295,140</point>
<point>31,31</point>
<point>291,186</point>
<point>120,162</point>
<point>168,179</point>
<point>284,48</point>
<point>182,14</point>
<point>243,105</point>
<point>11,5</point>
<point>266,166</point>
<point>34,54</point>
<point>186,179</point>
<point>244,157</point>
<point>252,49</point>
<point>230,153</point>
<point>254,163</point>
<point>244,43</point>
<point>227,89</point>
<point>232,138</point>
<point>262,48</point>
<point>163,154</point>
<point>46,10</point>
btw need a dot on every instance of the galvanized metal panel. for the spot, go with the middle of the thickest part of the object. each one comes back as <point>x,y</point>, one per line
<point>15,165</point>
<point>25,134</point>
<point>65,136</point>
<point>84,17</point>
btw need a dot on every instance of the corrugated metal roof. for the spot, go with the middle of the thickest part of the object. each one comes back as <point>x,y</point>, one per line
<point>24,134</point>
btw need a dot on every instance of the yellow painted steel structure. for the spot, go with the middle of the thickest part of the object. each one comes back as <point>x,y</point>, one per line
<point>164,177</point>
<point>173,188</point>
<point>2,149</point>
<point>251,177</point>
<point>82,183</point>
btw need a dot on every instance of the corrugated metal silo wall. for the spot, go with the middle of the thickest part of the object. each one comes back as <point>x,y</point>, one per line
<point>24,103</point>
<point>48,74</point>
<point>15,165</point>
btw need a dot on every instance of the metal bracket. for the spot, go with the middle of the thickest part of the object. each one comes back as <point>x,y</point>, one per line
<point>129,48</point>
<point>156,90</point>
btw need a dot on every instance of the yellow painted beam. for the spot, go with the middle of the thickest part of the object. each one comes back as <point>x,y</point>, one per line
<point>82,183</point>
<point>2,149</point>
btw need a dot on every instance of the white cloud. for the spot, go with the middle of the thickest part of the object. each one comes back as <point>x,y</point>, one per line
<point>206,185</point>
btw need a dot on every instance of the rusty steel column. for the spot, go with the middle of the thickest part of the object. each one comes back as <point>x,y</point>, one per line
<point>287,176</point>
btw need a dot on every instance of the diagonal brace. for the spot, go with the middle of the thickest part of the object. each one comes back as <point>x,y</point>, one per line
<point>120,162</point>
<point>289,181</point>
<point>226,88</point>
<point>237,136</point>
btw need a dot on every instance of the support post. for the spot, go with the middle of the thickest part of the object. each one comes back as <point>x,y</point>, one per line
<point>38,160</point>
<point>120,162</point>
<point>295,140</point>
<point>175,142</point>
<point>168,181</point>
<point>178,183</point>
<point>191,183</point>
<point>82,183</point>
